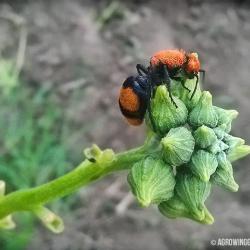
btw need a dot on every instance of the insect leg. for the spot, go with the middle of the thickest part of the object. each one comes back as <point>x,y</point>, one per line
<point>167,80</point>
<point>141,69</point>
<point>196,85</point>
<point>184,86</point>
<point>150,92</point>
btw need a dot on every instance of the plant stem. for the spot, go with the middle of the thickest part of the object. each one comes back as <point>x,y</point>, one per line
<point>82,175</point>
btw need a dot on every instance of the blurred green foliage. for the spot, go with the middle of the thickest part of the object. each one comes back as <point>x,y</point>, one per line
<point>32,149</point>
<point>8,76</point>
<point>110,12</point>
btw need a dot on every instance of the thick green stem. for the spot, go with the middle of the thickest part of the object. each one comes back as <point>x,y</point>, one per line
<point>84,174</point>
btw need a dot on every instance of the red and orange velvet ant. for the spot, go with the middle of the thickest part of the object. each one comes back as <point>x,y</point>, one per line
<point>165,66</point>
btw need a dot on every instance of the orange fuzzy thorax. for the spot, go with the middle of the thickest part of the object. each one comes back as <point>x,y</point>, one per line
<point>193,63</point>
<point>129,100</point>
<point>172,58</point>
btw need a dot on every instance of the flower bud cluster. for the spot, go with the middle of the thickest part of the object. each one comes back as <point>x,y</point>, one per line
<point>195,153</point>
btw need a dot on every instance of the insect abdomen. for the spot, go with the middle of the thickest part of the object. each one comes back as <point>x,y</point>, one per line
<point>130,106</point>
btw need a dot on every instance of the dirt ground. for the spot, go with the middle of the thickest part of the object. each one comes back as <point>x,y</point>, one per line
<point>73,46</point>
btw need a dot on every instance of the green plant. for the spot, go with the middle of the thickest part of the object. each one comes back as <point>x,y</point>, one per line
<point>33,132</point>
<point>32,139</point>
<point>189,151</point>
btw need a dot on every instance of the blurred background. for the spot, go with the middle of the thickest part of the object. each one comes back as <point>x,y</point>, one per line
<point>61,66</point>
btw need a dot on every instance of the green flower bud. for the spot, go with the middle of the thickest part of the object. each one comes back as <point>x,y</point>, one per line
<point>50,220</point>
<point>209,219</point>
<point>204,113</point>
<point>238,152</point>
<point>175,208</point>
<point>203,164</point>
<point>185,95</point>
<point>178,146</point>
<point>2,188</point>
<point>217,147</point>
<point>164,115</point>
<point>225,115</point>
<point>233,141</point>
<point>220,133</point>
<point>225,118</point>
<point>95,154</point>
<point>223,175</point>
<point>151,181</point>
<point>223,161</point>
<point>204,136</point>
<point>225,179</point>
<point>7,223</point>
<point>193,193</point>
<point>225,127</point>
